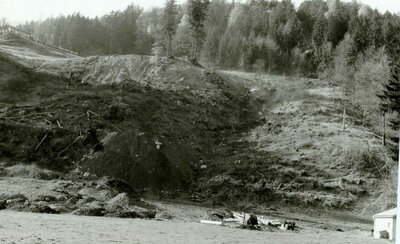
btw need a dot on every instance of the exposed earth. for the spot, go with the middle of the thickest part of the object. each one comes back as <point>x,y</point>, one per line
<point>106,136</point>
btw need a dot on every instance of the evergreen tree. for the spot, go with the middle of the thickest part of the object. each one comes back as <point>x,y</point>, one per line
<point>170,24</point>
<point>390,103</point>
<point>336,22</point>
<point>197,12</point>
<point>319,38</point>
<point>390,96</point>
<point>250,54</point>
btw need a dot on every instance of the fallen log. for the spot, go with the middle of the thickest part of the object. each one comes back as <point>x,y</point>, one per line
<point>70,145</point>
<point>59,124</point>
<point>40,143</point>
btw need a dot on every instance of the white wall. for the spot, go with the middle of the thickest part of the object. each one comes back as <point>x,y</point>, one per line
<point>388,224</point>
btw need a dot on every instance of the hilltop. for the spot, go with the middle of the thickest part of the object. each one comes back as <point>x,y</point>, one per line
<point>175,130</point>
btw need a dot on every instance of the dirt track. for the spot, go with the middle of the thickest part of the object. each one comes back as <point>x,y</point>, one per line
<point>42,228</point>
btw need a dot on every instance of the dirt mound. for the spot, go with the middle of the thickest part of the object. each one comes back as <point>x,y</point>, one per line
<point>162,73</point>
<point>145,160</point>
<point>153,132</point>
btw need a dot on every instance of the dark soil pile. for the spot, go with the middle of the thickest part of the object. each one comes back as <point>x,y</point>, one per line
<point>146,161</point>
<point>150,137</point>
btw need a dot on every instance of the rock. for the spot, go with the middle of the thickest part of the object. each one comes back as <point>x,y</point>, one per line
<point>18,198</point>
<point>119,201</point>
<point>61,198</point>
<point>84,201</point>
<point>148,214</point>
<point>46,199</point>
<point>42,207</point>
<point>117,185</point>
<point>3,205</point>
<point>100,195</point>
<point>164,215</point>
<point>71,202</point>
<point>60,208</point>
<point>94,208</point>
<point>86,174</point>
<point>132,213</point>
<point>129,214</point>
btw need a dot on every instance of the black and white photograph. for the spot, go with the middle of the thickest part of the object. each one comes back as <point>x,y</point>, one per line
<point>199,121</point>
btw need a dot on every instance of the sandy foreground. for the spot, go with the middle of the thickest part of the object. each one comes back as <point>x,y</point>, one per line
<point>17,227</point>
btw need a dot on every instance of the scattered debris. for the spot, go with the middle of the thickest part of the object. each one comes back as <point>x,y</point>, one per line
<point>288,225</point>
<point>247,221</point>
<point>221,215</point>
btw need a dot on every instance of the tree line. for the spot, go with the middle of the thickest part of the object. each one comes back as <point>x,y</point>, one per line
<point>271,36</point>
<point>115,33</point>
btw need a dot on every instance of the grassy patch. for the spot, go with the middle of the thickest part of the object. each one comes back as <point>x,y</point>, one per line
<point>31,171</point>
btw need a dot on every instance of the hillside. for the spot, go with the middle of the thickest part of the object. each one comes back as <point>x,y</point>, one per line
<point>22,48</point>
<point>178,131</point>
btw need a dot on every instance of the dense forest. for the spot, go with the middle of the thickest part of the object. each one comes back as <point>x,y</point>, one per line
<point>346,42</point>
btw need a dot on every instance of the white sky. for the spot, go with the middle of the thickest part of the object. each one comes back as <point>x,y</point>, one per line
<point>18,11</point>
